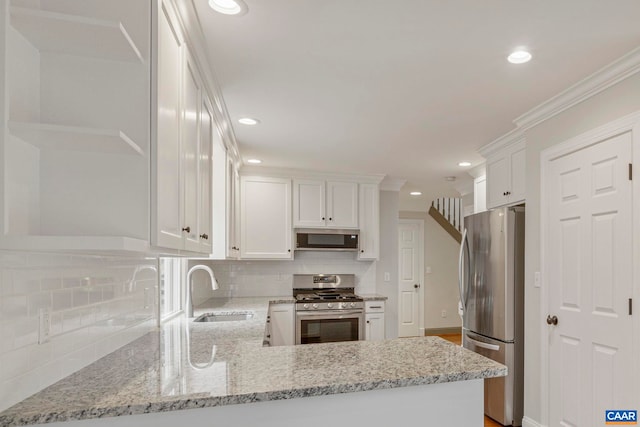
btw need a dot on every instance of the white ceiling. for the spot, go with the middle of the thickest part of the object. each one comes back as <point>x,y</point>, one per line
<point>406,88</point>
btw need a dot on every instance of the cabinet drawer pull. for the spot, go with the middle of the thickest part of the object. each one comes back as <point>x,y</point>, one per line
<point>204,236</point>
<point>187,229</point>
<point>375,306</point>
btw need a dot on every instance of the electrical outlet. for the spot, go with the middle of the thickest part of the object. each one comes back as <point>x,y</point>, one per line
<point>428,270</point>
<point>387,276</point>
<point>443,313</point>
<point>44,328</point>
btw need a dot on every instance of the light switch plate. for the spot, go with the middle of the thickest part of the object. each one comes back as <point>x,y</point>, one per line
<point>44,328</point>
<point>428,270</point>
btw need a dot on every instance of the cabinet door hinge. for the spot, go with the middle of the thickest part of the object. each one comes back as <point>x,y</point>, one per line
<point>630,306</point>
<point>630,171</point>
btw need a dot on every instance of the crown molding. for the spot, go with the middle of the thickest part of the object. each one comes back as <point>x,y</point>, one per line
<point>250,170</point>
<point>615,72</point>
<point>512,137</point>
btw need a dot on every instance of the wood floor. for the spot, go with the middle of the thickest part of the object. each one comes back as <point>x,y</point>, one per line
<point>457,339</point>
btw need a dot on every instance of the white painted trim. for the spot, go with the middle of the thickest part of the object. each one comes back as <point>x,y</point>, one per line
<point>613,73</point>
<point>528,422</point>
<point>627,123</point>
<point>306,174</point>
<point>510,138</point>
<point>420,223</point>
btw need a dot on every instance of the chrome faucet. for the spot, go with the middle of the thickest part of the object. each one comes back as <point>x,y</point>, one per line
<point>214,286</point>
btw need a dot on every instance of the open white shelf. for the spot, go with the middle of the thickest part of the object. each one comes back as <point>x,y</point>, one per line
<point>73,138</point>
<point>74,243</point>
<point>75,35</point>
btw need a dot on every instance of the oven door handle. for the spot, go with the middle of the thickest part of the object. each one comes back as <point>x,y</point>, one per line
<point>326,313</point>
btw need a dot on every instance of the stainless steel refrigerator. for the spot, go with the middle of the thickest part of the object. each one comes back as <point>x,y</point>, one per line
<point>491,281</point>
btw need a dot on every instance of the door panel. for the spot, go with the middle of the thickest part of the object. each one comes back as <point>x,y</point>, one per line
<point>589,276</point>
<point>190,122</point>
<point>410,252</point>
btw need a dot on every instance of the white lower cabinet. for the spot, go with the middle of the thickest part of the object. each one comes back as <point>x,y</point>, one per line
<point>374,321</point>
<point>265,218</point>
<point>281,324</point>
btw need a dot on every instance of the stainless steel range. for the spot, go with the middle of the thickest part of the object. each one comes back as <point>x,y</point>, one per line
<point>327,309</point>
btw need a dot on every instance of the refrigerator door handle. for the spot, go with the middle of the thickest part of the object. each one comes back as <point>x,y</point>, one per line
<point>461,270</point>
<point>481,344</point>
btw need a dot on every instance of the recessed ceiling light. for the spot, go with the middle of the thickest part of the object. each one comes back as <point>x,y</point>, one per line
<point>254,161</point>
<point>416,193</point>
<point>464,164</point>
<point>519,57</point>
<point>248,121</point>
<point>229,7</point>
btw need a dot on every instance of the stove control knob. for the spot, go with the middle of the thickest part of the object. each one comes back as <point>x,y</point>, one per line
<point>306,306</point>
<point>329,305</point>
<point>343,304</point>
<point>315,305</point>
<point>353,304</point>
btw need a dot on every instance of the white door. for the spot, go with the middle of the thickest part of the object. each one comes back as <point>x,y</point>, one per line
<point>168,192</point>
<point>205,181</point>
<point>190,123</point>
<point>410,253</point>
<point>588,273</point>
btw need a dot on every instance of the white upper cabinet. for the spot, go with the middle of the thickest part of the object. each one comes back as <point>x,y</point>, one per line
<point>265,216</point>
<point>325,204</point>
<point>233,209</point>
<point>342,204</point>
<point>184,122</point>
<point>369,208</point>
<point>505,184</point>
<point>309,201</point>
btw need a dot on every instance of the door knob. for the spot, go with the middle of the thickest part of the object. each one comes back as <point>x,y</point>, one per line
<point>416,286</point>
<point>552,320</point>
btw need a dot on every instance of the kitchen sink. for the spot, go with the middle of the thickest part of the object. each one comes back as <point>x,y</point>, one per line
<point>224,317</point>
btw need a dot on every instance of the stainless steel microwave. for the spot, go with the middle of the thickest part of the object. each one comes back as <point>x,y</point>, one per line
<point>311,239</point>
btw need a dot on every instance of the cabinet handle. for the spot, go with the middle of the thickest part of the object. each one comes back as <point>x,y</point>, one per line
<point>289,250</point>
<point>508,193</point>
<point>361,251</point>
<point>330,219</point>
<point>187,229</point>
<point>204,236</point>
<point>368,321</point>
<point>323,218</point>
<point>375,306</point>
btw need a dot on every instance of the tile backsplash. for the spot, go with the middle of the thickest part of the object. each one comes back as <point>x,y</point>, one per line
<point>274,278</point>
<point>96,304</point>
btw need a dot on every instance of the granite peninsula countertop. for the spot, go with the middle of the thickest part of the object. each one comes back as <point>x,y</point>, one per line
<point>188,365</point>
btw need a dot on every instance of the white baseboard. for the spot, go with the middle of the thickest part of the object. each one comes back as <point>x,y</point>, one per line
<point>528,422</point>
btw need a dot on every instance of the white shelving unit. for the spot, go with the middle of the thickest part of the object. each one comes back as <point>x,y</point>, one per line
<point>72,138</point>
<point>76,87</point>
<point>75,35</point>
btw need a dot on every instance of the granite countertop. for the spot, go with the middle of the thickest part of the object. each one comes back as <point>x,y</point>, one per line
<point>190,365</point>
<point>373,297</point>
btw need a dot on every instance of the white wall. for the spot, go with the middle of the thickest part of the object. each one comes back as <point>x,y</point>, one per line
<point>389,205</point>
<point>275,278</point>
<point>97,305</point>
<point>615,102</point>
<point>441,285</point>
